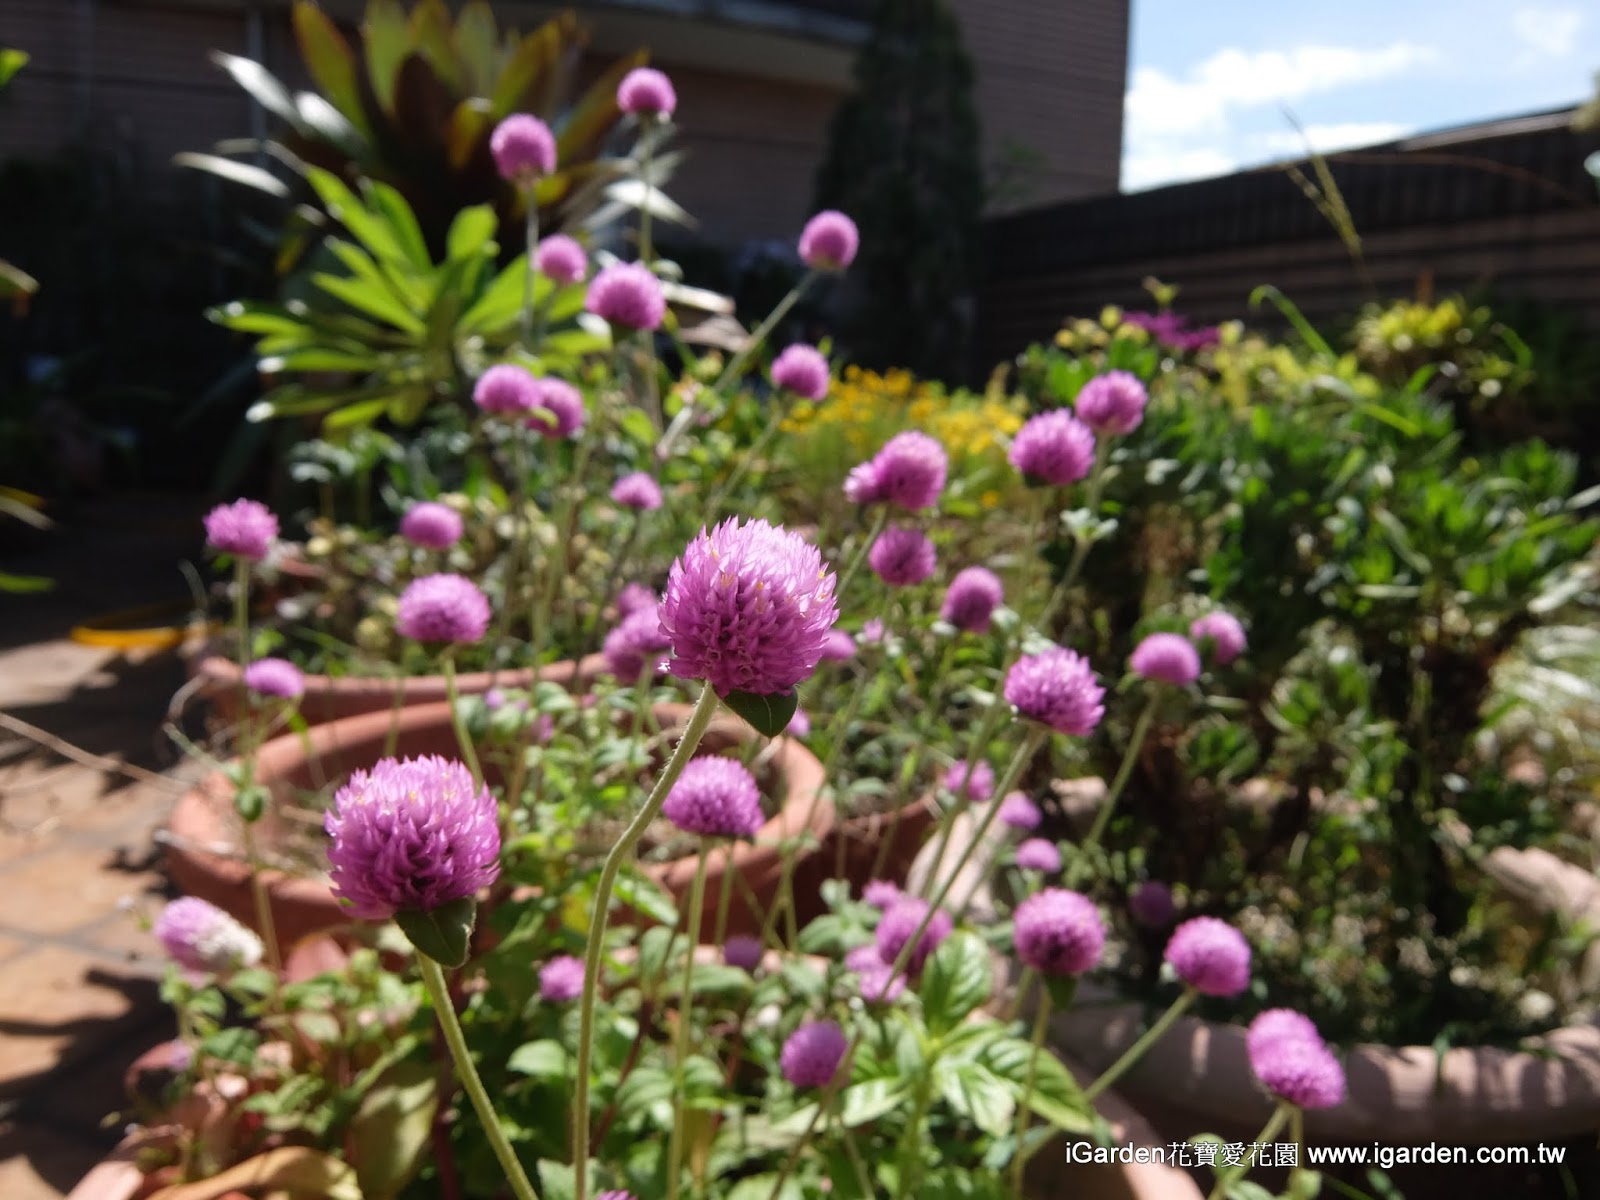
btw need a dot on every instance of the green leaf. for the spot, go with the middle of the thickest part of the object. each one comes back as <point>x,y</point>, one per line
<point>956,980</point>
<point>387,42</point>
<point>760,1187</point>
<point>767,714</point>
<point>234,172</point>
<point>330,62</point>
<point>863,1102</point>
<point>500,305</point>
<point>974,1092</point>
<point>262,85</point>
<point>389,203</point>
<point>11,61</point>
<point>23,584</point>
<point>1055,1095</point>
<point>441,933</point>
<point>471,232</point>
<point>559,1181</point>
<point>392,1129</point>
<point>544,1059</point>
<point>234,1045</point>
<point>644,895</point>
<point>638,428</point>
<point>537,53</point>
<point>720,980</point>
<point>372,300</point>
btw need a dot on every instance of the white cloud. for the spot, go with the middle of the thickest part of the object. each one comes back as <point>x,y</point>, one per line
<point>1158,166</point>
<point>1546,32</point>
<point>1325,139</point>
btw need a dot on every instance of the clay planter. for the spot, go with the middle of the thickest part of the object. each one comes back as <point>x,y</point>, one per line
<point>860,840</point>
<point>335,697</point>
<point>203,861</point>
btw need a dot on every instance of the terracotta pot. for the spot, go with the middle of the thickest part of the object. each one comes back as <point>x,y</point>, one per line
<point>335,697</point>
<point>202,858</point>
<point>860,841</point>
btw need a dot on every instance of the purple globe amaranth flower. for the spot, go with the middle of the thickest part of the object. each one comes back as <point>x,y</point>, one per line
<point>201,937</point>
<point>561,979</point>
<point>432,525</point>
<point>1152,904</point>
<point>276,677</point>
<point>1058,932</point>
<point>615,1195</point>
<point>861,484</point>
<point>839,646</point>
<point>646,92</point>
<point>635,596</point>
<point>976,785</point>
<point>877,981</point>
<point>635,642</point>
<point>637,491</point>
<point>863,958</point>
<point>1056,688</point>
<point>505,389</point>
<point>1019,812</point>
<point>880,893</point>
<point>971,598</point>
<point>1211,956</point>
<point>873,632</point>
<point>443,608</point>
<point>1053,447</point>
<point>909,472</point>
<point>799,725</point>
<point>561,260</point>
<point>715,797</point>
<point>829,241</point>
<point>412,835</point>
<point>1300,1070</point>
<point>493,699</point>
<point>902,557</point>
<point>803,370</point>
<point>245,529</point>
<point>743,951</point>
<point>900,921</point>
<point>557,410</point>
<point>1112,403</point>
<point>1225,634</point>
<point>627,294</point>
<point>1276,1025</point>
<point>748,608</point>
<point>1039,854</point>
<point>812,1054</point>
<point>523,149</point>
<point>1166,658</point>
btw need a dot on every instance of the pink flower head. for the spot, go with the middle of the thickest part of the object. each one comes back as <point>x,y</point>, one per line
<point>839,646</point>
<point>443,608</point>
<point>877,981</point>
<point>910,470</point>
<point>627,294</point>
<point>245,529</point>
<point>646,92</point>
<point>1211,956</point>
<point>635,642</point>
<point>411,835</point>
<point>715,797</point>
<point>1277,1025</point>
<point>201,937</point>
<point>1112,403</point>
<point>561,260</point>
<point>1166,658</point>
<point>432,525</point>
<point>505,389</point>
<point>523,149</point>
<point>615,1195</point>
<point>861,485</point>
<point>748,608</point>
<point>976,785</point>
<point>902,557</point>
<point>900,921</point>
<point>635,596</point>
<point>742,951</point>
<point>829,241</point>
<point>561,979</point>
<point>1223,631</point>
<point>1152,904</point>
<point>801,369</point>
<point>276,677</point>
<point>799,725</point>
<point>971,599</point>
<point>880,893</point>
<point>1056,688</point>
<point>873,632</point>
<point>812,1054</point>
<point>1019,812</point>
<point>637,491</point>
<point>557,410</point>
<point>1302,1071</point>
<point>1039,854</point>
<point>1053,447</point>
<point>1059,932</point>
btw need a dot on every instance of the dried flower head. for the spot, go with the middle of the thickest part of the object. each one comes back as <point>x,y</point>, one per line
<point>829,241</point>
<point>277,677</point>
<point>432,525</point>
<point>1053,447</point>
<point>201,937</point>
<point>1211,956</point>
<point>1224,633</point>
<point>1056,688</point>
<point>627,294</point>
<point>246,529</point>
<point>1166,658</point>
<point>637,491</point>
<point>803,370</point>
<point>812,1054</point>
<point>646,92</point>
<point>1112,403</point>
<point>1059,932</point>
<point>505,389</point>
<point>523,149</point>
<point>971,598</point>
<point>902,557</point>
<point>900,921</point>
<point>748,608</point>
<point>715,797</point>
<point>443,608</point>
<point>561,979</point>
<point>561,260</point>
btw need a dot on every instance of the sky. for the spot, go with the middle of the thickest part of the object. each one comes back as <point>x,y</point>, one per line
<point>1209,83</point>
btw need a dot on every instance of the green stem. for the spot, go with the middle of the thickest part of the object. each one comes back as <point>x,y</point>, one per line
<point>1041,1021</point>
<point>469,753</point>
<point>433,980</point>
<point>963,799</point>
<point>647,151</point>
<point>856,559</point>
<point>763,331</point>
<point>910,1161</point>
<point>521,541</point>
<point>680,1043</point>
<point>699,720</point>
<point>1082,544</point>
<point>757,448</point>
<point>1227,1176</point>
<point>531,239</point>
<point>1141,730</point>
<point>1134,1052</point>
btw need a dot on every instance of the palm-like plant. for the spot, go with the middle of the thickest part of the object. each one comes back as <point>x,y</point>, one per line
<point>412,102</point>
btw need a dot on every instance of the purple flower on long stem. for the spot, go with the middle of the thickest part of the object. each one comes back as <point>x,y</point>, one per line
<point>201,937</point>
<point>561,979</point>
<point>812,1054</point>
<point>627,294</point>
<point>971,599</point>
<point>829,241</point>
<point>1059,932</point>
<point>523,148</point>
<point>902,557</point>
<point>561,260</point>
<point>1056,688</point>
<point>443,608</point>
<point>275,677</point>
<point>245,529</point>
<point>1224,633</point>
<point>646,92</point>
<point>1112,403</point>
<point>1053,447</point>
<point>715,797</point>
<point>1211,956</point>
<point>1166,658</point>
<point>432,525</point>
